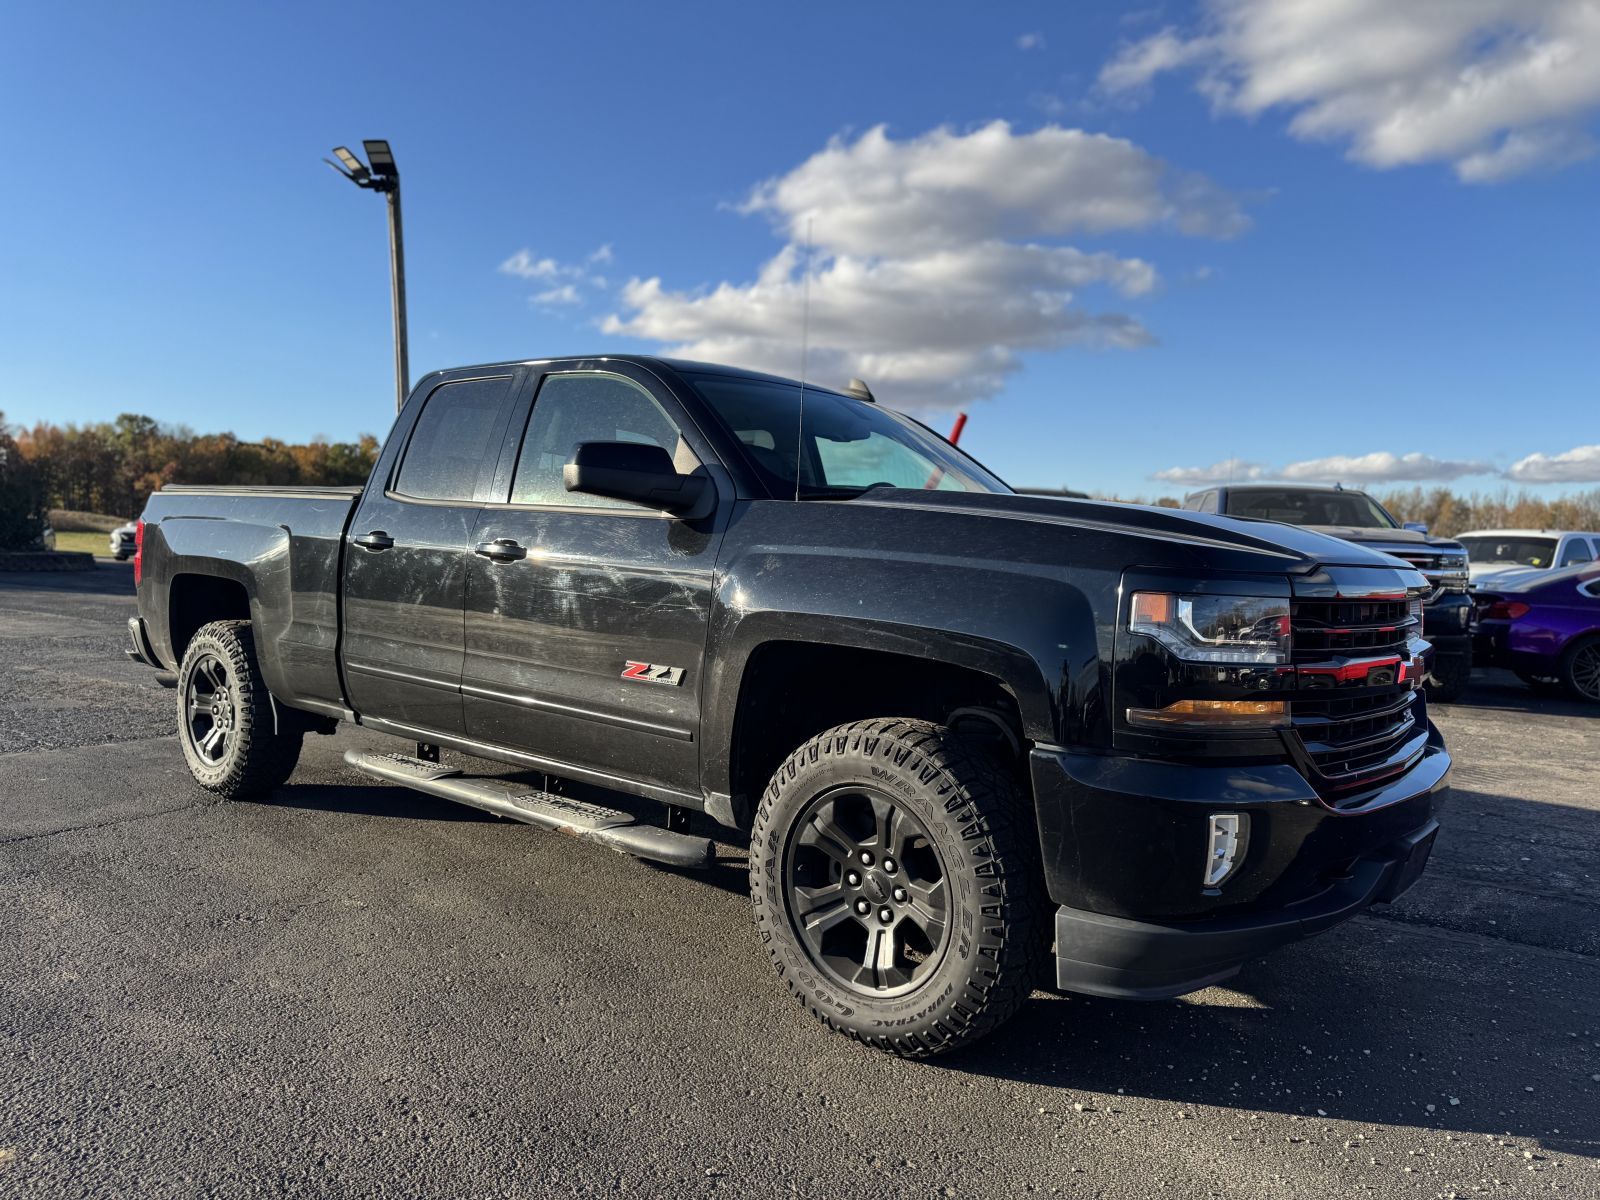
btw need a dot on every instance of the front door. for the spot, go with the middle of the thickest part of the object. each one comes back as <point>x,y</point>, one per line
<point>586,617</point>
<point>405,563</point>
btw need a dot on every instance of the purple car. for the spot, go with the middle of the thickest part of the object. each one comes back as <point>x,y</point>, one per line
<point>1545,628</point>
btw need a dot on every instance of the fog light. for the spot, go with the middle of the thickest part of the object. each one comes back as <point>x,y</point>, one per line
<point>1224,846</point>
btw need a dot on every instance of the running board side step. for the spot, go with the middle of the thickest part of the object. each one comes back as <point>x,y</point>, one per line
<point>587,822</point>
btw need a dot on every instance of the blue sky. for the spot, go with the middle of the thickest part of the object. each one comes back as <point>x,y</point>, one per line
<point>1183,245</point>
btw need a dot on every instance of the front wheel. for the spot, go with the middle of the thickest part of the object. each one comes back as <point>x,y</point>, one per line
<point>231,740</point>
<point>1451,674</point>
<point>896,883</point>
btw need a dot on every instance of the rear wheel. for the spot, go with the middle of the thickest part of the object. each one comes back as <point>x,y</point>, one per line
<point>896,883</point>
<point>1580,669</point>
<point>226,724</point>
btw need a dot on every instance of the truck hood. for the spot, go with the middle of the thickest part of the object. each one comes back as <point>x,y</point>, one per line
<point>1488,573</point>
<point>1511,579</point>
<point>1400,539</point>
<point>1392,541</point>
<point>1288,547</point>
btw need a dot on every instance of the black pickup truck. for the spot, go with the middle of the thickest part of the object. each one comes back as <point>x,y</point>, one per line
<point>961,728</point>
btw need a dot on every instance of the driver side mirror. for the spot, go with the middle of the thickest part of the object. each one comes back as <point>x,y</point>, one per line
<point>640,472</point>
<point>1415,526</point>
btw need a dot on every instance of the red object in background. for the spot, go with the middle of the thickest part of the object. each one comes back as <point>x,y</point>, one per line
<point>138,552</point>
<point>1505,610</point>
<point>955,436</point>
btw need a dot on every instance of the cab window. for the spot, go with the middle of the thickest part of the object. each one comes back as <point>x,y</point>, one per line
<point>589,407</point>
<point>444,458</point>
<point>1576,551</point>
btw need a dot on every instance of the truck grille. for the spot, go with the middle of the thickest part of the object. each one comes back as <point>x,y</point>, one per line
<point>1355,709</point>
<point>1444,572</point>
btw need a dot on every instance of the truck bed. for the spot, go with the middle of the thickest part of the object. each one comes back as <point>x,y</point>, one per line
<point>271,554</point>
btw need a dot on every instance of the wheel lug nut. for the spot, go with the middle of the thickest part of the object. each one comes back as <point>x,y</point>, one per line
<point>888,865</point>
<point>885,915</point>
<point>900,895</point>
<point>866,858</point>
<point>863,907</point>
<point>852,878</point>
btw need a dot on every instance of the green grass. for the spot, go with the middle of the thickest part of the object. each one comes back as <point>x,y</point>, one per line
<point>90,543</point>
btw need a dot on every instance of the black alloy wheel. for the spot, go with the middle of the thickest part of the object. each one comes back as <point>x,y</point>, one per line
<point>895,880</point>
<point>209,705</point>
<point>236,742</point>
<point>867,894</point>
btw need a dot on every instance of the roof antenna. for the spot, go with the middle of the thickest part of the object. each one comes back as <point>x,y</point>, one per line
<point>805,340</point>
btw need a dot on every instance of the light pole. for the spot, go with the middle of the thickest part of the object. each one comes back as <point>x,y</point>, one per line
<point>383,176</point>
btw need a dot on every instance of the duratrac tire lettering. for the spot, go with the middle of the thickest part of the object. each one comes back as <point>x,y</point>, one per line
<point>984,834</point>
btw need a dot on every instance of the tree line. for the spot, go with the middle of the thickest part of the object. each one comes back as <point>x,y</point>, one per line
<point>1447,513</point>
<point>113,466</point>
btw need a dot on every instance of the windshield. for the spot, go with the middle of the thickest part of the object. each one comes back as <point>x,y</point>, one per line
<point>849,446</point>
<point>1295,506</point>
<point>1525,551</point>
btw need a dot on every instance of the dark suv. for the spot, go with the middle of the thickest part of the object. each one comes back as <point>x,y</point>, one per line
<point>1356,517</point>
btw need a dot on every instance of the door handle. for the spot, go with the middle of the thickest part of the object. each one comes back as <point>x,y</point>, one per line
<point>501,550</point>
<point>376,540</point>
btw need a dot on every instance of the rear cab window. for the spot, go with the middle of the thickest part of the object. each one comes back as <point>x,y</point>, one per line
<point>448,451</point>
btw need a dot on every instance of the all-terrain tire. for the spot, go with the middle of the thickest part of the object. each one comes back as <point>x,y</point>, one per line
<point>250,754</point>
<point>1580,669</point>
<point>982,830</point>
<point>1451,674</point>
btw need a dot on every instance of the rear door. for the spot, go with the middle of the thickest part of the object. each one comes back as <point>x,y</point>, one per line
<point>406,562</point>
<point>586,636</point>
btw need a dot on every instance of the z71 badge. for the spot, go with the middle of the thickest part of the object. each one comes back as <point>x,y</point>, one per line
<point>652,673</point>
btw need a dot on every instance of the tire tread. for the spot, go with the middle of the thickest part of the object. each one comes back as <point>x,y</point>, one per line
<point>1013,901</point>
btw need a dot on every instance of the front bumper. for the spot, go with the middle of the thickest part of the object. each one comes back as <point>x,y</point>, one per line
<point>1141,960</point>
<point>1124,844</point>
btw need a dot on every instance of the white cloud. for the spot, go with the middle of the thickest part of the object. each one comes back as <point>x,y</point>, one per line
<point>1382,466</point>
<point>1378,467</point>
<point>563,278</point>
<point>524,265</point>
<point>879,196</point>
<point>1137,64</point>
<point>1031,41</point>
<point>928,261</point>
<point>1522,151</point>
<point>1496,87</point>
<point>1581,464</point>
<point>1229,470</point>
<point>559,296</point>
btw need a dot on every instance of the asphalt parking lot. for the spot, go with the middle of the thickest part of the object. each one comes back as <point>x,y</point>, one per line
<point>354,990</point>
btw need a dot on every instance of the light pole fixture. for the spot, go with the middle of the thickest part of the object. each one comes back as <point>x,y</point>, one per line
<point>379,174</point>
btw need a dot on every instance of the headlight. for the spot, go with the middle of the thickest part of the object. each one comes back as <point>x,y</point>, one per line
<point>1414,611</point>
<point>1242,630</point>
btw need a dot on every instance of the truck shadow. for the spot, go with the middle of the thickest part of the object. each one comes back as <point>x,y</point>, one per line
<point>1494,690</point>
<point>1323,1047</point>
